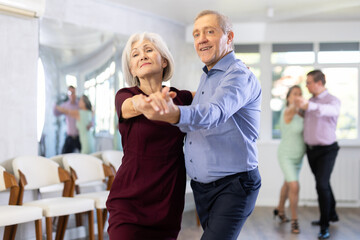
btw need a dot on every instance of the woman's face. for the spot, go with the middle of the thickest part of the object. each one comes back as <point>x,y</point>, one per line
<point>146,61</point>
<point>295,92</point>
<point>82,103</point>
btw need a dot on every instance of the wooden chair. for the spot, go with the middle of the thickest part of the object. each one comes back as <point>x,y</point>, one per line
<point>11,215</point>
<point>86,169</point>
<point>35,172</point>
<point>112,158</point>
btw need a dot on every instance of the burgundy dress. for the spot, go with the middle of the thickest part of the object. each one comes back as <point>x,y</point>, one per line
<point>146,200</point>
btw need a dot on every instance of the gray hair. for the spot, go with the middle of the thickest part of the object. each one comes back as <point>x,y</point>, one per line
<point>223,21</point>
<point>160,46</point>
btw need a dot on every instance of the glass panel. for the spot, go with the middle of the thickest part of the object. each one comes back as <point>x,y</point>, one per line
<point>283,78</point>
<point>343,83</point>
<point>249,58</point>
<point>339,57</point>
<point>292,57</point>
<point>256,71</point>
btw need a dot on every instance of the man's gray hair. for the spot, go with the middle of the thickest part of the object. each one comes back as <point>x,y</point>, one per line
<point>160,46</point>
<point>223,21</point>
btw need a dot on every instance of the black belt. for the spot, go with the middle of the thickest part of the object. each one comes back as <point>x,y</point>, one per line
<point>315,147</point>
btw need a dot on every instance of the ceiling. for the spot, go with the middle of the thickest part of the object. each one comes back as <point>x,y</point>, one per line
<point>184,11</point>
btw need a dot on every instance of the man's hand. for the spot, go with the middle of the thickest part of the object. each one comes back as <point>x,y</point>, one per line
<point>159,106</point>
<point>301,103</point>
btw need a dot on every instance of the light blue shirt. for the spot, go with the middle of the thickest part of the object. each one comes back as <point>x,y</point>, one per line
<point>222,123</point>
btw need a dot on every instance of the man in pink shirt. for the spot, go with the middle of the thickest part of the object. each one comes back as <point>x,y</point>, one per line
<point>72,141</point>
<point>320,119</point>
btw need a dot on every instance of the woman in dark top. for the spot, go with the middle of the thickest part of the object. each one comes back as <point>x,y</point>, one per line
<point>146,200</point>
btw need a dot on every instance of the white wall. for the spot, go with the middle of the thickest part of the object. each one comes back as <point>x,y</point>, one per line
<point>292,32</point>
<point>19,42</point>
<point>18,68</point>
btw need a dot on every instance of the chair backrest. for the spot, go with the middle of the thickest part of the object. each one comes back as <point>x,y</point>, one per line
<point>97,154</point>
<point>7,180</point>
<point>88,168</point>
<point>39,171</point>
<point>58,159</point>
<point>3,186</point>
<point>113,157</point>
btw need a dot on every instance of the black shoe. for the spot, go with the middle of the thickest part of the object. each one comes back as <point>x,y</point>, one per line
<point>324,233</point>
<point>281,215</point>
<point>332,219</point>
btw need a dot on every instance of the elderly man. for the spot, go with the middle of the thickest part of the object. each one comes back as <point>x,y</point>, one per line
<point>222,126</point>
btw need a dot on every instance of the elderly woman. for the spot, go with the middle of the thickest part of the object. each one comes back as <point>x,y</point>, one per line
<point>147,197</point>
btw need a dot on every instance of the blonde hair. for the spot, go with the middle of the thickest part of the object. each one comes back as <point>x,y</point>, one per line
<point>160,46</point>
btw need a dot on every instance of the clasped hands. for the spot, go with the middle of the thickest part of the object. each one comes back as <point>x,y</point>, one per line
<point>301,103</point>
<point>158,106</point>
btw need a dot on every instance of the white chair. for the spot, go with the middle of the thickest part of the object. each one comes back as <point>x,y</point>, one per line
<point>113,158</point>
<point>11,215</point>
<point>35,172</point>
<point>86,169</point>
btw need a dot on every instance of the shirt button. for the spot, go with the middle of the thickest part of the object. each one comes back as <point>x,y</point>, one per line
<point>190,160</point>
<point>202,92</point>
<point>190,142</point>
<point>195,178</point>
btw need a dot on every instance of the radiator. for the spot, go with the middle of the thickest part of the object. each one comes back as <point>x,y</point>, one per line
<point>345,182</point>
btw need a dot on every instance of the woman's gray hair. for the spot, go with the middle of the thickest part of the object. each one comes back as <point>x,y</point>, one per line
<point>160,46</point>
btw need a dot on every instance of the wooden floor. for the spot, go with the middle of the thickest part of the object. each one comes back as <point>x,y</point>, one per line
<point>261,226</point>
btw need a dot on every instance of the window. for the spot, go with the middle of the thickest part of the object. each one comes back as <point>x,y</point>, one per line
<point>338,61</point>
<point>339,53</point>
<point>250,55</point>
<point>294,53</point>
<point>343,83</point>
<point>101,91</point>
<point>40,100</point>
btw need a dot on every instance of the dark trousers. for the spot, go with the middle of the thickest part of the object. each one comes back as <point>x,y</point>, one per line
<point>71,143</point>
<point>321,161</point>
<point>224,205</point>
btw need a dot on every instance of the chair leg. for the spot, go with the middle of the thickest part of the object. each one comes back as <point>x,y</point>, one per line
<point>10,232</point>
<point>91,225</point>
<point>38,229</point>
<point>48,228</point>
<point>78,218</point>
<point>104,217</point>
<point>61,228</point>
<point>100,225</point>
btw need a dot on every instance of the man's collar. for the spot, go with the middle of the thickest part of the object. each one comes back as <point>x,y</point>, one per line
<point>223,63</point>
<point>322,94</point>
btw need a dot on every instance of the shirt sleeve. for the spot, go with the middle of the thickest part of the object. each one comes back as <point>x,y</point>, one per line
<point>329,109</point>
<point>120,97</point>
<point>58,113</point>
<point>235,90</point>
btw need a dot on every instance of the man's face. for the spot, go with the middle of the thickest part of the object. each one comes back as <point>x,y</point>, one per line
<point>211,43</point>
<point>72,94</point>
<point>311,85</point>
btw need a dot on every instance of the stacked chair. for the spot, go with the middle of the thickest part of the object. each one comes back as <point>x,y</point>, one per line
<point>35,172</point>
<point>11,215</point>
<point>112,158</point>
<point>86,169</point>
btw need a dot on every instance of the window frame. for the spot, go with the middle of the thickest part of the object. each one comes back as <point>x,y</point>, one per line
<point>266,50</point>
